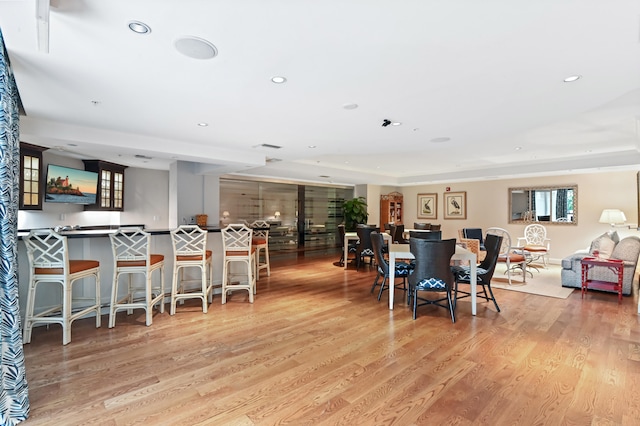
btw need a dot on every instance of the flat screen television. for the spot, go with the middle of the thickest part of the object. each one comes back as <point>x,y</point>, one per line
<point>68,185</point>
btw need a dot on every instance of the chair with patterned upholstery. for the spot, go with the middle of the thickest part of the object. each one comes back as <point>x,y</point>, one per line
<point>513,258</point>
<point>190,251</point>
<point>48,254</point>
<point>131,249</point>
<point>432,273</point>
<point>260,242</point>
<point>402,269</point>
<point>485,271</point>
<point>536,243</point>
<point>364,248</point>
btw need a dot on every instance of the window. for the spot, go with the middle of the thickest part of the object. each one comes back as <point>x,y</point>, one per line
<point>30,177</point>
<point>110,185</point>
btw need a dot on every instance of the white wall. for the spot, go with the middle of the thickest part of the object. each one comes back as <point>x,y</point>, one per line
<point>488,203</point>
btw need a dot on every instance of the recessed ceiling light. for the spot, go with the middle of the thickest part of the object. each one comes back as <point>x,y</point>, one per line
<point>572,78</point>
<point>350,106</point>
<point>278,79</point>
<point>396,123</point>
<point>203,124</point>
<point>312,146</point>
<point>195,47</point>
<point>441,139</point>
<point>518,148</point>
<point>139,27</point>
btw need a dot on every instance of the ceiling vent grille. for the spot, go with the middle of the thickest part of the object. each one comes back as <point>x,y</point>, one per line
<point>272,160</point>
<point>268,145</point>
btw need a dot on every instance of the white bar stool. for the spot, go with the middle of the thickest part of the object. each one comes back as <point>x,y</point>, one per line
<point>132,255</point>
<point>236,242</point>
<point>260,242</point>
<point>48,254</point>
<point>190,251</point>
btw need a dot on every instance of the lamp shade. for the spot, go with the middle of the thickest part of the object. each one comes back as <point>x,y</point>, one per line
<point>612,216</point>
<point>277,214</point>
<point>225,214</point>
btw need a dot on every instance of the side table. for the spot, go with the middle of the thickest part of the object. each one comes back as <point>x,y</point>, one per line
<point>615,265</point>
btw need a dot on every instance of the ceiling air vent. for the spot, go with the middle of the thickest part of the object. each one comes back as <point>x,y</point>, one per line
<point>268,145</point>
<point>143,157</point>
<point>272,160</point>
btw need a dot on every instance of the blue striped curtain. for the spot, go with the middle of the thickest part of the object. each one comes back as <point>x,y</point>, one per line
<point>14,394</point>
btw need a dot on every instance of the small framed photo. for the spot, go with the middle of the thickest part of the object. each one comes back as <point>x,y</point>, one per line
<point>455,205</point>
<point>428,206</point>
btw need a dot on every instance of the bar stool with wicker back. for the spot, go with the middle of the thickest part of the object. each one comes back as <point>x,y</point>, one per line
<point>48,254</point>
<point>237,247</point>
<point>190,251</point>
<point>132,255</point>
<point>260,241</point>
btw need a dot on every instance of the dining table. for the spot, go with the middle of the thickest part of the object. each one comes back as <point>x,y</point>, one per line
<point>402,251</point>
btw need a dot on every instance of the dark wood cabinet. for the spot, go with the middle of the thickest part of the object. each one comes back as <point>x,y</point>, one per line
<point>110,193</point>
<point>31,177</point>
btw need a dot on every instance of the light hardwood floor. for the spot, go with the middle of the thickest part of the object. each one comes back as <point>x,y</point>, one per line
<point>317,348</point>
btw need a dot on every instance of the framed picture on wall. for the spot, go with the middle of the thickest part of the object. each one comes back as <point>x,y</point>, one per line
<point>428,206</point>
<point>455,205</point>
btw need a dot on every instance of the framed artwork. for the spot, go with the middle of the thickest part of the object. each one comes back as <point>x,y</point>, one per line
<point>455,205</point>
<point>428,206</point>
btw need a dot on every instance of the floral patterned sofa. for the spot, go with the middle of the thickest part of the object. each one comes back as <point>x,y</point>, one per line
<point>609,245</point>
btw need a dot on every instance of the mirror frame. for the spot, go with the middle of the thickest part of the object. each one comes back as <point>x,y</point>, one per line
<point>574,187</point>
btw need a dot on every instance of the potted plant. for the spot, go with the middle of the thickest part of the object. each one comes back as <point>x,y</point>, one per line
<point>355,212</point>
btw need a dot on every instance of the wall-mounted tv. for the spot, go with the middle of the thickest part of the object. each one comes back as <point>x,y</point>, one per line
<point>67,185</point>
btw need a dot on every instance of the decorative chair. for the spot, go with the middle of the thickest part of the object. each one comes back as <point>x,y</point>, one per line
<point>48,254</point>
<point>432,273</point>
<point>237,248</point>
<point>402,269</point>
<point>190,251</point>
<point>485,272</point>
<point>352,245</point>
<point>421,226</point>
<point>132,255</point>
<point>364,247</point>
<point>535,242</point>
<point>474,234</point>
<point>435,227</point>
<point>260,242</point>
<point>514,259</point>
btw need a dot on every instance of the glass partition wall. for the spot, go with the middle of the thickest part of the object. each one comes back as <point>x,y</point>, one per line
<point>303,218</point>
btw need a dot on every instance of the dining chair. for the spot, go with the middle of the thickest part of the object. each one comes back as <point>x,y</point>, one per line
<point>364,248</point>
<point>514,259</point>
<point>431,235</point>
<point>485,272</point>
<point>352,245</point>
<point>48,256</point>
<point>432,273</point>
<point>190,252</point>
<point>421,226</point>
<point>131,248</point>
<point>402,269</point>
<point>237,248</point>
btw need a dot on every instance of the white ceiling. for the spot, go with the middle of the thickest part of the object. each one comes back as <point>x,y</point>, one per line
<point>486,74</point>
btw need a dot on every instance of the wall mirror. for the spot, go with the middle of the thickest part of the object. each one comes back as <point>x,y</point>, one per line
<point>546,204</point>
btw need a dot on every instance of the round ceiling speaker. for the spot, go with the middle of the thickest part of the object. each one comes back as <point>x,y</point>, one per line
<point>195,47</point>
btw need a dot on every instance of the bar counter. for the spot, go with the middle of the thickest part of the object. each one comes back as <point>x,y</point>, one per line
<point>92,243</point>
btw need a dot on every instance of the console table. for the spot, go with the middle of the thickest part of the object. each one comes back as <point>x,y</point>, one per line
<point>615,265</point>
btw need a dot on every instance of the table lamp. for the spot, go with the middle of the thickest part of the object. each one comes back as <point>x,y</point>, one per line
<point>613,217</point>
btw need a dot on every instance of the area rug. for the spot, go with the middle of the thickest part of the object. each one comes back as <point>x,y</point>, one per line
<point>545,282</point>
